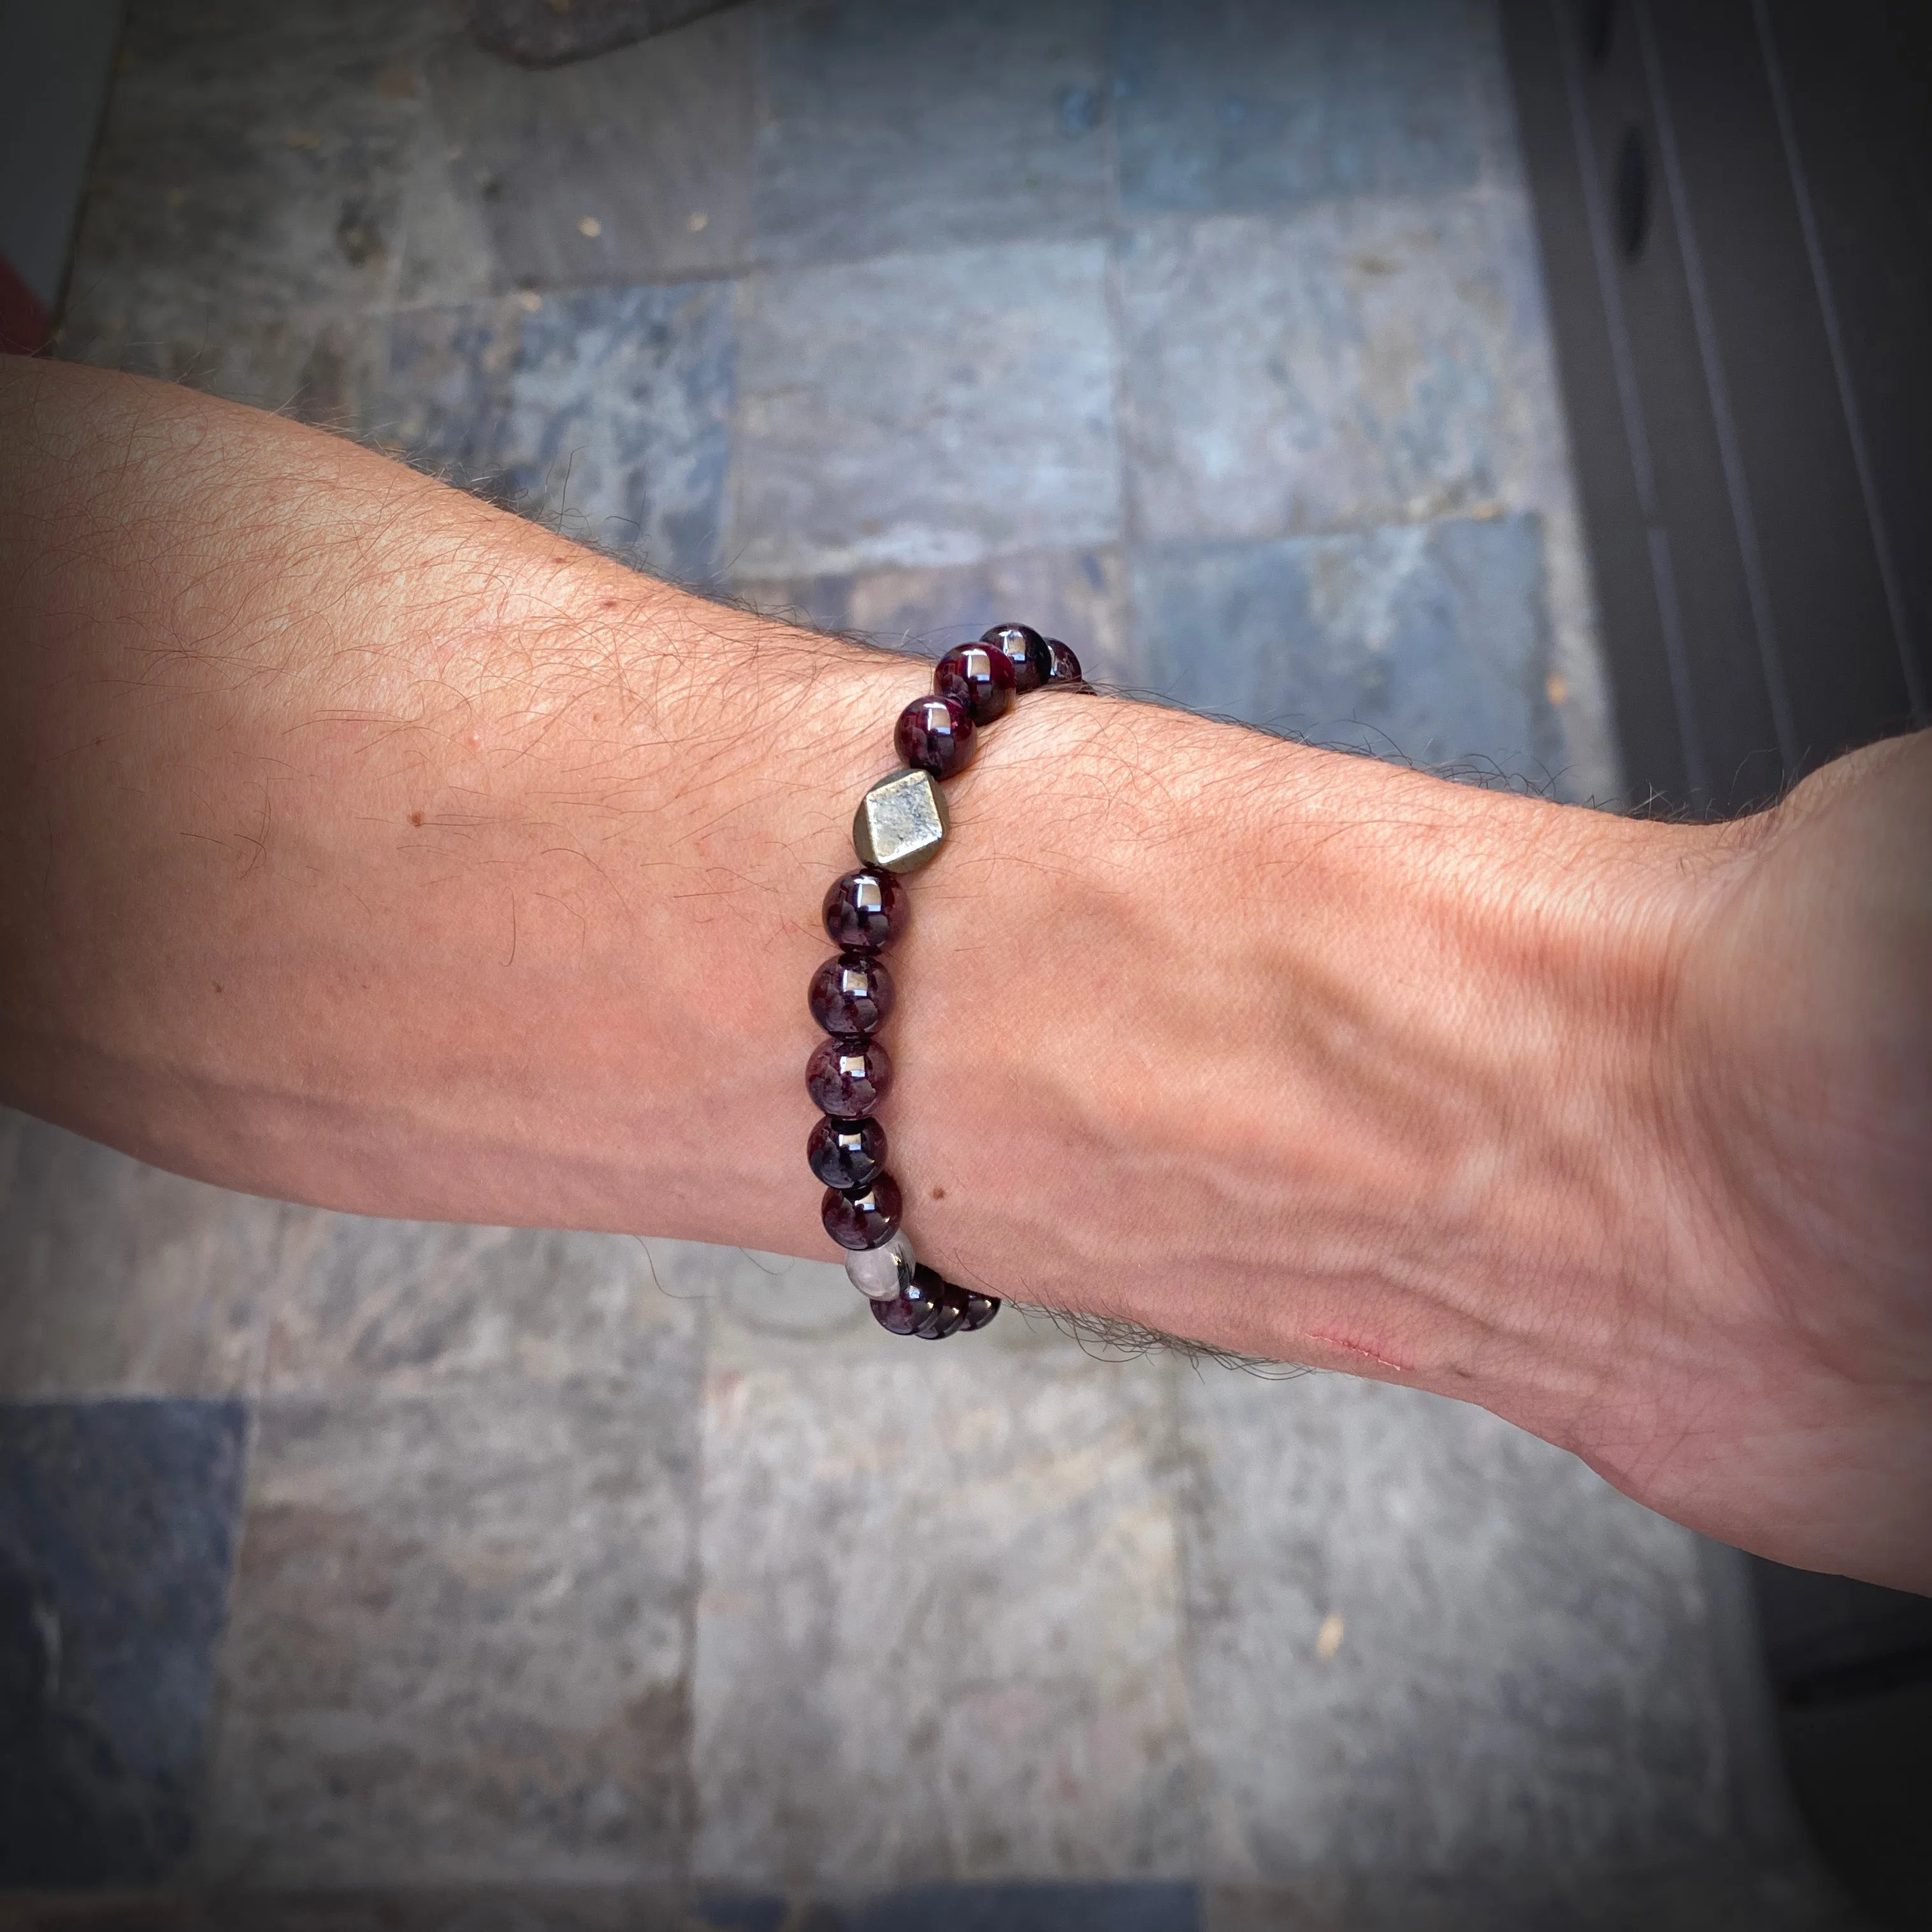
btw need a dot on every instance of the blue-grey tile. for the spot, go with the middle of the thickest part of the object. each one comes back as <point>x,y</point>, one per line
<point>457,1649</point>
<point>635,166</point>
<point>884,126</point>
<point>251,161</point>
<point>924,410</point>
<point>937,1638</point>
<point>1424,642</point>
<point>117,1527</point>
<point>118,1279</point>
<point>1261,103</point>
<point>1424,1643</point>
<point>1073,595</point>
<point>605,412</point>
<point>411,1305</point>
<point>1355,362</point>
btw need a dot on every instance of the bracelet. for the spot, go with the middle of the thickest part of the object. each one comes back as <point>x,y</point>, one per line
<point>902,823</point>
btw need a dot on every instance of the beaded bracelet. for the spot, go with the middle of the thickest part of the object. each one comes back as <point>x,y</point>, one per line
<point>901,822</point>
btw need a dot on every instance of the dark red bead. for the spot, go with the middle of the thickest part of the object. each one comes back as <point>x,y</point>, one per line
<point>865,909</point>
<point>935,734</point>
<point>847,1154</point>
<point>1026,651</point>
<point>868,1219</point>
<point>852,994</point>
<point>980,676</point>
<point>949,1307</point>
<point>848,1078</point>
<point>916,1307</point>
<point>1066,666</point>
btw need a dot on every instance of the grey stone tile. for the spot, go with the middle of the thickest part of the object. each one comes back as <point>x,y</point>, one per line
<point>1424,642</point>
<point>605,413</point>
<point>924,410</point>
<point>884,127</point>
<point>1350,364</point>
<point>319,366</point>
<point>1252,104</point>
<point>1423,1642</point>
<point>411,1305</point>
<point>939,1632</point>
<point>250,162</point>
<point>1075,595</point>
<point>116,1278</point>
<point>117,1526</point>
<point>456,1653</point>
<point>635,166</point>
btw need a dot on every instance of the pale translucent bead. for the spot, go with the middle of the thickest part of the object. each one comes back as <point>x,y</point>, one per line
<point>882,1272</point>
<point>901,822</point>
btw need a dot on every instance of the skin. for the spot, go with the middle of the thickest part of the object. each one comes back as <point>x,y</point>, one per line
<point>362,845</point>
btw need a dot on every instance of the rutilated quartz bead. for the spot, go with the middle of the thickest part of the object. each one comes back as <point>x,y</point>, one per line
<point>882,1272</point>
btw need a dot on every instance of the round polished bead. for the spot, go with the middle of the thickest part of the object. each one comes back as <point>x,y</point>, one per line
<point>915,1307</point>
<point>847,1077</point>
<point>1066,666</point>
<point>980,676</point>
<point>852,994</point>
<point>865,909</point>
<point>935,734</point>
<point>868,1218</point>
<point>1026,651</point>
<point>978,1310</point>
<point>949,1307</point>
<point>882,1272</point>
<point>846,1154</point>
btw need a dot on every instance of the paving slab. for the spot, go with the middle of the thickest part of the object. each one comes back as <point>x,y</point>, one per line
<point>604,412</point>
<point>923,410</point>
<point>1349,364</point>
<point>412,1305</point>
<point>117,1526</point>
<point>635,166</point>
<point>249,165</point>
<point>1077,596</point>
<point>939,1633</point>
<point>1225,104</point>
<point>1428,642</point>
<point>1422,1643</point>
<point>118,1279</point>
<point>883,128</point>
<point>457,1650</point>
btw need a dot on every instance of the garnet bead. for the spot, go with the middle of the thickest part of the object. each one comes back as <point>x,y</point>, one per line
<point>868,1219</point>
<point>848,1078</point>
<point>935,734</point>
<point>865,909</point>
<point>1025,650</point>
<point>980,676</point>
<point>915,1306</point>
<point>852,994</point>
<point>846,1154</point>
<point>1066,669</point>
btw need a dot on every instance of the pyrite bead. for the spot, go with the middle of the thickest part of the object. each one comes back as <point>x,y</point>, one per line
<point>901,822</point>
<point>863,910</point>
<point>980,676</point>
<point>868,1219</point>
<point>847,1154</point>
<point>882,1272</point>
<point>1066,666</point>
<point>852,994</point>
<point>848,1078</point>
<point>935,734</point>
<point>1026,651</point>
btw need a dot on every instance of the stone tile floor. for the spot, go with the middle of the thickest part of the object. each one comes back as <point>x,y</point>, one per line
<point>579,1582</point>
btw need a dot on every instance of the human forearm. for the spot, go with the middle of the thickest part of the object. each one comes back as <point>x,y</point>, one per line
<point>369,847</point>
